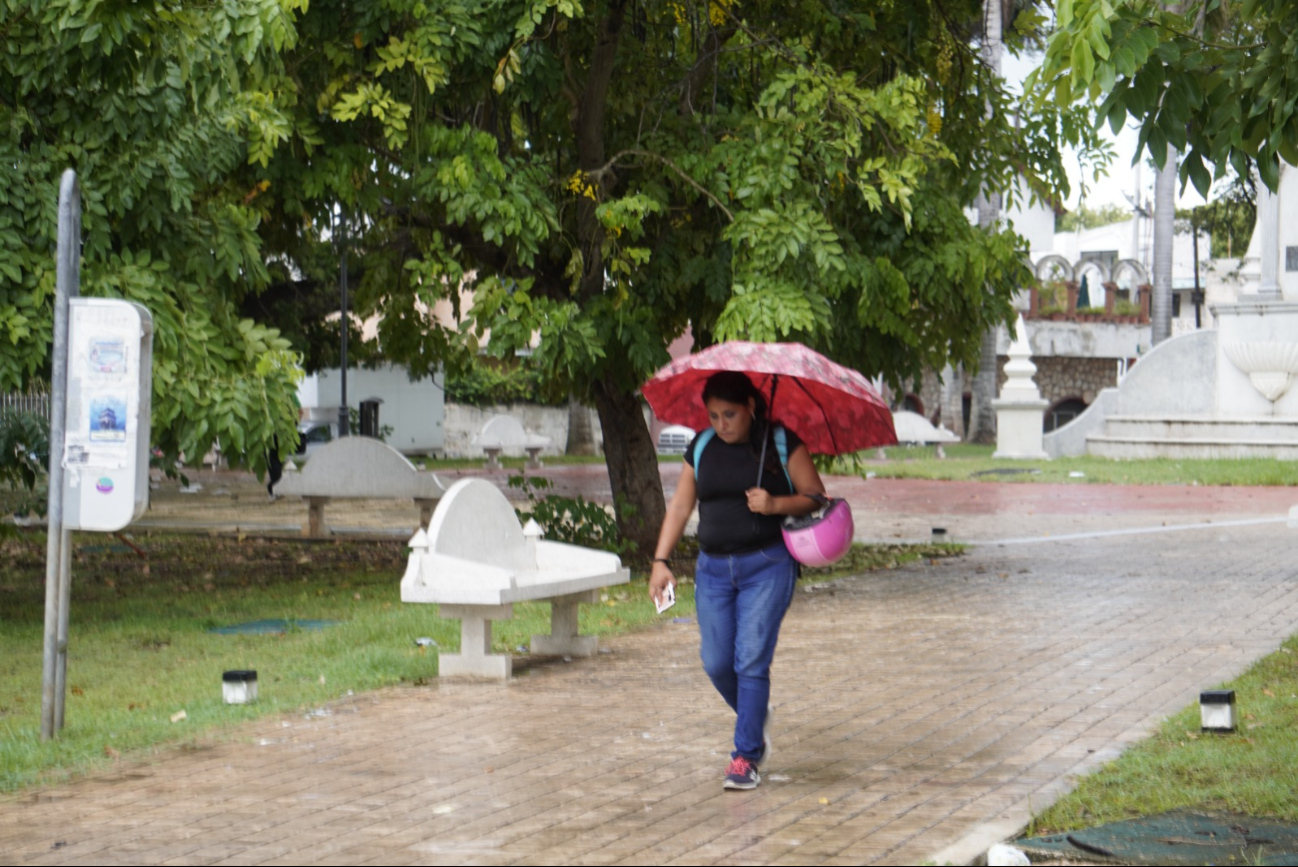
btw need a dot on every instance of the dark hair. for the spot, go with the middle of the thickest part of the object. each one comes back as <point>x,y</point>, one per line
<point>733,386</point>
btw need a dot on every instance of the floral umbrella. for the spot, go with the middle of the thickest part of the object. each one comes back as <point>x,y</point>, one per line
<point>833,409</point>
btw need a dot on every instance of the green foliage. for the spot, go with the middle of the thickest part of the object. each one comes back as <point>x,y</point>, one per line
<point>1228,218</point>
<point>744,169</point>
<point>1091,218</point>
<point>156,106</point>
<point>573,520</point>
<point>488,385</point>
<point>1211,79</point>
<point>24,459</point>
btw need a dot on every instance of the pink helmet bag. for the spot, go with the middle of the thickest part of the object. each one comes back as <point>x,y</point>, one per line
<point>821,538</point>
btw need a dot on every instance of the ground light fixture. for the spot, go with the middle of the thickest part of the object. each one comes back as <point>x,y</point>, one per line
<point>1217,710</point>
<point>239,687</point>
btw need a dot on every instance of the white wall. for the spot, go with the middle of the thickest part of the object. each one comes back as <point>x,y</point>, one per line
<point>414,410</point>
<point>464,422</point>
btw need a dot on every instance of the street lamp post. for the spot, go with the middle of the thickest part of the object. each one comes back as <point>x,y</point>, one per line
<point>344,415</point>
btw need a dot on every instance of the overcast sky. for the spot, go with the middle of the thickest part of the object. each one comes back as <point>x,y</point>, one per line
<point>1122,175</point>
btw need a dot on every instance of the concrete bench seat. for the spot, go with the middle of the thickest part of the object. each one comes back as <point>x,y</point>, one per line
<point>505,433</point>
<point>475,561</point>
<point>359,468</point>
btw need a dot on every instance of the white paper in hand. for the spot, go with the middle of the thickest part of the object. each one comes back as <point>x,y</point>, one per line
<point>668,599</point>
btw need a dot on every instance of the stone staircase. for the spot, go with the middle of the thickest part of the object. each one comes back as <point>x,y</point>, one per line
<point>1142,436</point>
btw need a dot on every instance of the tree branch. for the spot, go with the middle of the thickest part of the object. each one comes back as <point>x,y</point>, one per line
<point>649,155</point>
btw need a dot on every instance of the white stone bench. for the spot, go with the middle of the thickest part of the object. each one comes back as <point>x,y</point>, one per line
<point>503,432</point>
<point>911,427</point>
<point>475,561</point>
<point>359,468</point>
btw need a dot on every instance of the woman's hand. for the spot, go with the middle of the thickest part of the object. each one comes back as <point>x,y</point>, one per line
<point>659,578</point>
<point>761,501</point>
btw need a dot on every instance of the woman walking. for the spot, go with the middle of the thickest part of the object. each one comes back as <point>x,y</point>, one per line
<point>744,578</point>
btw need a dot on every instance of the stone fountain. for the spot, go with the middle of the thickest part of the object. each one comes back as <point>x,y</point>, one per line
<point>1220,392</point>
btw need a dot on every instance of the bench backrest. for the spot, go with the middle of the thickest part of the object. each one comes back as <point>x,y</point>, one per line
<point>911,427</point>
<point>360,467</point>
<point>474,521</point>
<point>507,432</point>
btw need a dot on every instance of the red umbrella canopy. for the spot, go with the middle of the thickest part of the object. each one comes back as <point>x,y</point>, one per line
<point>833,409</point>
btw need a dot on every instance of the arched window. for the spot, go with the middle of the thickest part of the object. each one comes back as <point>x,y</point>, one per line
<point>1063,412</point>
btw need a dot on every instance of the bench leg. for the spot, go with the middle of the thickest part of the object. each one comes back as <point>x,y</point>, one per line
<point>534,459</point>
<point>475,658</point>
<point>314,526</point>
<point>563,639</point>
<point>426,508</point>
<point>493,459</point>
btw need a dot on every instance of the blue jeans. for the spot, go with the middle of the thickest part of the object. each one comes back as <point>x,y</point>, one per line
<point>741,600</point>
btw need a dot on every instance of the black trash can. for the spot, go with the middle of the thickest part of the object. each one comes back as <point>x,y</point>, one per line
<point>370,417</point>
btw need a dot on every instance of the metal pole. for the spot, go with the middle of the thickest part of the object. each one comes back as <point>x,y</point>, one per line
<point>57,555</point>
<point>344,415</point>
<point>1197,297</point>
<point>65,607</point>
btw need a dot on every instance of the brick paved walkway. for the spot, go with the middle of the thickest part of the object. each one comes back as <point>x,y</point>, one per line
<point>922,713</point>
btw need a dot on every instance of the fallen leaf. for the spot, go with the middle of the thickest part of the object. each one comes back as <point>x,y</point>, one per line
<point>76,690</point>
<point>111,753</point>
<point>488,770</point>
<point>824,800</point>
<point>178,716</point>
<point>322,679</point>
<point>1268,692</point>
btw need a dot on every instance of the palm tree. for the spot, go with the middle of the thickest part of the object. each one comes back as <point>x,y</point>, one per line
<point>982,421</point>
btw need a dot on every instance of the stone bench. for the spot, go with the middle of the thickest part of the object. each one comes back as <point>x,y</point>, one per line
<point>359,468</point>
<point>911,427</point>
<point>475,561</point>
<point>502,432</point>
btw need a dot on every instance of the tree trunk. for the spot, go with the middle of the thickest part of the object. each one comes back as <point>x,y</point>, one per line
<point>953,399</point>
<point>1160,312</point>
<point>632,467</point>
<point>581,436</point>
<point>982,419</point>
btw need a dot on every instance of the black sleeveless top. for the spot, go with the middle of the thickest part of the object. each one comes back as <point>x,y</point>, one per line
<point>726,526</point>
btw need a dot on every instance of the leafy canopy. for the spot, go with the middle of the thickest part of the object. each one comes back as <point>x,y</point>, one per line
<point>157,105</point>
<point>603,174</point>
<point>1212,78</point>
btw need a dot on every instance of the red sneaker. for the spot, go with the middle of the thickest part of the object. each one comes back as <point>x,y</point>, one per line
<point>742,774</point>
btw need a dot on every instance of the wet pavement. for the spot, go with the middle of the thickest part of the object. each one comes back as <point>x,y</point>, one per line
<point>922,713</point>
<point>885,509</point>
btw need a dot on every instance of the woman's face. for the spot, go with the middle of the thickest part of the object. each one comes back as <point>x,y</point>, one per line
<point>731,421</point>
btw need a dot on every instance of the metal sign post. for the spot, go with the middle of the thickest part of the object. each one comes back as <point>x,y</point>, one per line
<point>58,577</point>
<point>99,435</point>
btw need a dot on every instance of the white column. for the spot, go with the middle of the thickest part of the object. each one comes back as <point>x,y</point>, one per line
<point>1268,223</point>
<point>1019,410</point>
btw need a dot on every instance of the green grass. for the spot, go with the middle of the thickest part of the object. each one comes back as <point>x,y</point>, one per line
<point>964,462</point>
<point>1253,772</point>
<point>141,648</point>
